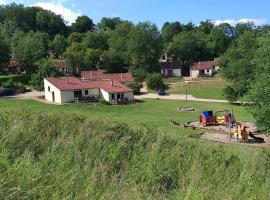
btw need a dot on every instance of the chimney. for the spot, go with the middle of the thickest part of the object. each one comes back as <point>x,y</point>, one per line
<point>91,74</point>
<point>121,76</point>
<point>111,82</point>
<point>66,78</point>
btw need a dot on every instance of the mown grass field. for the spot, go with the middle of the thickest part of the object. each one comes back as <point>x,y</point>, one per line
<point>155,113</point>
<point>68,152</point>
<point>206,88</point>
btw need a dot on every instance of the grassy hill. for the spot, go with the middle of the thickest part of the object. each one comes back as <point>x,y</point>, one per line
<point>58,155</point>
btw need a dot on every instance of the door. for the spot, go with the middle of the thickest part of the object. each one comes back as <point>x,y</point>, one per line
<point>53,97</point>
<point>78,95</point>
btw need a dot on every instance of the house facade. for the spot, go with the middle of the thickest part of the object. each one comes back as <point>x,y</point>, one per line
<point>170,68</point>
<point>70,89</point>
<point>204,68</point>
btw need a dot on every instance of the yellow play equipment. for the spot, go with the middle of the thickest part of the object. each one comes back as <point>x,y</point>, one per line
<point>241,132</point>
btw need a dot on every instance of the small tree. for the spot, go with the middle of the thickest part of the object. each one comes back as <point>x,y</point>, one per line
<point>46,69</point>
<point>154,81</point>
<point>134,86</point>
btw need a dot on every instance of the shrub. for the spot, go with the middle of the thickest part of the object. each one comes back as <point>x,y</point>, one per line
<point>11,84</point>
<point>154,81</point>
<point>134,86</point>
<point>138,74</point>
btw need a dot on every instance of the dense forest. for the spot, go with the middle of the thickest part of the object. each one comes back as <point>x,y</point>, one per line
<point>35,38</point>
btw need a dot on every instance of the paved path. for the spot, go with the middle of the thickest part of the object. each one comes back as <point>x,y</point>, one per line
<point>35,95</point>
<point>176,97</point>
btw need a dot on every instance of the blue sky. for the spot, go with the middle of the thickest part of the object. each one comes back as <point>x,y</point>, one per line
<point>159,11</point>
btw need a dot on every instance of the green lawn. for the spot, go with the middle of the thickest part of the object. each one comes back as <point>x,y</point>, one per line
<point>155,113</point>
<point>204,93</point>
<point>206,88</point>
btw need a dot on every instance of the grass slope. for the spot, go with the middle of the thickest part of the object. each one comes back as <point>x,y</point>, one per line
<point>50,155</point>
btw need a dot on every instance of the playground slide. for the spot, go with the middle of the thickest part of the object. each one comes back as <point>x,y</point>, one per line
<point>257,139</point>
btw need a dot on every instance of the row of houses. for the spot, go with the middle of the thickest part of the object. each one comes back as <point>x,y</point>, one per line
<point>91,86</point>
<point>171,68</point>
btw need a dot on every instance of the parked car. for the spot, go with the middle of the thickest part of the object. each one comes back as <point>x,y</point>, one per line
<point>7,92</point>
<point>161,92</point>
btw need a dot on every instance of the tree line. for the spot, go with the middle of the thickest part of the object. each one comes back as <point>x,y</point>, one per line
<point>29,34</point>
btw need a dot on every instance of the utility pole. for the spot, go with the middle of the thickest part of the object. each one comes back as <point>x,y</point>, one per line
<point>186,84</point>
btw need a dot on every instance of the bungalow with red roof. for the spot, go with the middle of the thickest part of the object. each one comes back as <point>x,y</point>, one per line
<point>70,89</point>
<point>204,68</point>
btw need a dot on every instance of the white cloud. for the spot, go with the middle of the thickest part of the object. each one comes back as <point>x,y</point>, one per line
<point>58,8</point>
<point>233,22</point>
<point>2,2</point>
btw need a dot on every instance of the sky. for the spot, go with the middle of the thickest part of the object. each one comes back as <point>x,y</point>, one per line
<point>159,11</point>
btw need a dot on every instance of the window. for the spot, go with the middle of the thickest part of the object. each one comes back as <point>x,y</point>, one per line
<point>86,92</point>
<point>112,96</point>
<point>49,88</point>
<point>208,71</point>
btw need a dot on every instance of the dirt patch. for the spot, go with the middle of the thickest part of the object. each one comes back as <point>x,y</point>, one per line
<point>196,124</point>
<point>225,138</point>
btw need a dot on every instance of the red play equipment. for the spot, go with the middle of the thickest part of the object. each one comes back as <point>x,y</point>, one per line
<point>207,118</point>
<point>223,117</point>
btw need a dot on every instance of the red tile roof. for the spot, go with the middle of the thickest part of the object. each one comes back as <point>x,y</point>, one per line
<point>204,65</point>
<point>170,65</point>
<point>101,75</point>
<point>72,83</point>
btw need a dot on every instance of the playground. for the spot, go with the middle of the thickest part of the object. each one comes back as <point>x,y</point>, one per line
<point>222,126</point>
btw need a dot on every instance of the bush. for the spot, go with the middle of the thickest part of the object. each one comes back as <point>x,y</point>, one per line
<point>102,101</point>
<point>134,86</point>
<point>154,81</point>
<point>17,86</point>
<point>138,74</point>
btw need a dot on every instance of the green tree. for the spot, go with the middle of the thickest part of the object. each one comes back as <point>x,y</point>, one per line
<point>58,44</point>
<point>74,58</point>
<point>134,86</point>
<point>50,23</point>
<point>236,64</point>
<point>169,30</point>
<point>4,51</point>
<point>145,46</point>
<point>46,68</point>
<point>118,42</point>
<point>95,40</point>
<point>260,87</point>
<point>154,81</point>
<point>75,37</point>
<point>189,47</point>
<point>29,49</point>
<point>82,24</point>
<point>112,63</point>
<point>109,23</point>
<point>91,59</point>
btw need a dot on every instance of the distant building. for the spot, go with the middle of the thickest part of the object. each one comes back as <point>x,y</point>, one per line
<point>170,68</point>
<point>204,68</point>
<point>13,67</point>
<point>61,66</point>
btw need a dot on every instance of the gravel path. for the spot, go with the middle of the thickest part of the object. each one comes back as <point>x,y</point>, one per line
<point>176,97</point>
